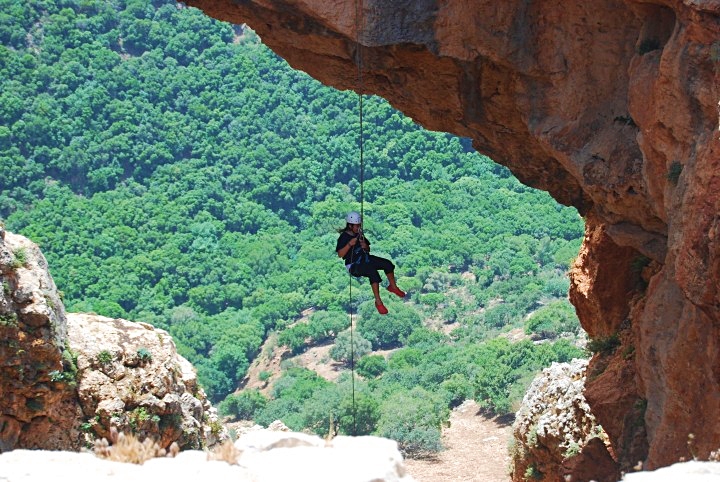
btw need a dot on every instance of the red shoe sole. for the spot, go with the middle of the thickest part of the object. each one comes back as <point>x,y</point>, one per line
<point>381,309</point>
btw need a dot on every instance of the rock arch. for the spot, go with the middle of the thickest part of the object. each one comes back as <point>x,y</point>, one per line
<point>611,107</point>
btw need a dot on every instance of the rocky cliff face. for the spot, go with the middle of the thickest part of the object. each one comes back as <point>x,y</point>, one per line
<point>65,379</point>
<point>612,107</point>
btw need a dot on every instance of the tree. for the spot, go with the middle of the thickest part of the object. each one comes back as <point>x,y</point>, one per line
<point>371,366</point>
<point>552,320</point>
<point>413,419</point>
<point>244,405</point>
<point>390,330</point>
<point>344,351</point>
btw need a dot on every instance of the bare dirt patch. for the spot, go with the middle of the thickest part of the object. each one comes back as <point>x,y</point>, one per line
<point>318,360</point>
<point>476,449</point>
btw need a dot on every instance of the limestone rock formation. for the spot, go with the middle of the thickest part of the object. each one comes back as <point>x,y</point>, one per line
<point>131,377</point>
<point>612,107</point>
<point>65,379</point>
<point>555,428</point>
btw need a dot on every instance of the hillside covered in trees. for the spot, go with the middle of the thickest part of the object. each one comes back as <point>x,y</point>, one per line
<point>175,171</point>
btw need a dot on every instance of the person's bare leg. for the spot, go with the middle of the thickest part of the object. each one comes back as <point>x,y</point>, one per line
<point>378,301</point>
<point>393,288</point>
<point>376,292</point>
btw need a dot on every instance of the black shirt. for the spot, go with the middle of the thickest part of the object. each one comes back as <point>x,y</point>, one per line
<point>353,253</point>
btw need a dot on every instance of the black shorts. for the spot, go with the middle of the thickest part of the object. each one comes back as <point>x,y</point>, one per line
<point>371,268</point>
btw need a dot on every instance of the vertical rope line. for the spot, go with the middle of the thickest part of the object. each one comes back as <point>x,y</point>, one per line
<point>352,361</point>
<point>358,54</point>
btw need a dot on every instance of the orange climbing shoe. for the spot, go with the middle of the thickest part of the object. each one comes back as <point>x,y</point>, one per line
<point>381,308</point>
<point>397,291</point>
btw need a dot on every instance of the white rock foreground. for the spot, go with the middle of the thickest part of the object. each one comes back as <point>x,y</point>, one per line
<point>264,456</point>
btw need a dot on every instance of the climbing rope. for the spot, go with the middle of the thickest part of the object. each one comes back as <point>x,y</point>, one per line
<point>358,58</point>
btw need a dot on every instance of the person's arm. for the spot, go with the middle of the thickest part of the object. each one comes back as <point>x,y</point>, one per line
<point>342,252</point>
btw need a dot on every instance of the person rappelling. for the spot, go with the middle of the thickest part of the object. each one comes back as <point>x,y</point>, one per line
<point>354,248</point>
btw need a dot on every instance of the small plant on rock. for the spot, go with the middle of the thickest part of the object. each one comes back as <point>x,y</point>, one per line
<point>604,346</point>
<point>144,355</point>
<point>9,320</point>
<point>104,357</point>
<point>19,258</point>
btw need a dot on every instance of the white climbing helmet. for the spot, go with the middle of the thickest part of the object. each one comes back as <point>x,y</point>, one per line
<point>353,218</point>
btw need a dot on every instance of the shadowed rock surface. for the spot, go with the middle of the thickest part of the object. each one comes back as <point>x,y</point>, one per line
<point>610,106</point>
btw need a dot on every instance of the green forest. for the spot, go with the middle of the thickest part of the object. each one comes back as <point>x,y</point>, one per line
<point>177,172</point>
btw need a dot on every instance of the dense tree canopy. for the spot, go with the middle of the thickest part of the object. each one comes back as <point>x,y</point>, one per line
<point>175,171</point>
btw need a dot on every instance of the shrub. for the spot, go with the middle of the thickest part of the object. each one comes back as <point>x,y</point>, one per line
<point>244,405</point>
<point>104,357</point>
<point>144,355</point>
<point>552,320</point>
<point>325,325</point>
<point>295,338</point>
<point>361,417</point>
<point>344,352</point>
<point>387,331</point>
<point>457,389</point>
<point>604,346</point>
<point>413,419</point>
<point>371,366</point>
<point>500,315</point>
<point>19,258</point>
<point>9,320</point>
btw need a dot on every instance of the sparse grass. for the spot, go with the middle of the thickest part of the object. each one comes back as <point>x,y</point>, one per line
<point>605,345</point>
<point>142,414</point>
<point>127,448</point>
<point>226,452</point>
<point>19,258</point>
<point>58,376</point>
<point>572,450</point>
<point>532,437</point>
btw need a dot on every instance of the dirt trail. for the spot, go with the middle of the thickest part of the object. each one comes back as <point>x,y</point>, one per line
<point>476,450</point>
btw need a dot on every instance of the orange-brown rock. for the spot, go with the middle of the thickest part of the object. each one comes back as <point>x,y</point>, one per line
<point>612,107</point>
<point>35,404</point>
